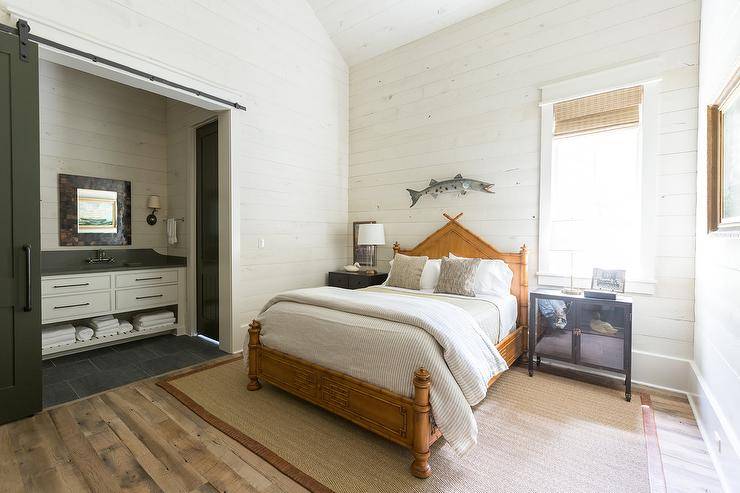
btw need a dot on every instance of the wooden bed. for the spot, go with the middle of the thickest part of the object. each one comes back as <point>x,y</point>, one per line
<point>395,417</point>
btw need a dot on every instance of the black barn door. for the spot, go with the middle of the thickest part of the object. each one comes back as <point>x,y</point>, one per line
<point>207,229</point>
<point>20,281</point>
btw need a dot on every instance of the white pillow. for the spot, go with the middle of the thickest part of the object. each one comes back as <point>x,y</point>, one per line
<point>493,277</point>
<point>429,276</point>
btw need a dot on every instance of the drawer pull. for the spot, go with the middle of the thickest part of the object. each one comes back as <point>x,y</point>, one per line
<point>148,278</point>
<point>71,306</point>
<point>150,296</point>
<point>72,285</point>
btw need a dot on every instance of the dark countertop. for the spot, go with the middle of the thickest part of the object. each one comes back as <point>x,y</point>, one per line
<point>60,262</point>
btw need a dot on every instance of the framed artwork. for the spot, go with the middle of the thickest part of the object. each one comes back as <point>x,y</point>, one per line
<point>608,280</point>
<point>94,211</point>
<point>723,159</point>
<point>365,255</point>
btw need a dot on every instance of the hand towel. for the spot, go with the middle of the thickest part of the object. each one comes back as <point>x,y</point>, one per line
<point>171,231</point>
<point>107,324</point>
<point>124,327</point>
<point>150,316</point>
<point>155,323</point>
<point>56,340</point>
<point>67,341</point>
<point>158,325</point>
<point>56,330</point>
<point>84,333</point>
<point>106,332</point>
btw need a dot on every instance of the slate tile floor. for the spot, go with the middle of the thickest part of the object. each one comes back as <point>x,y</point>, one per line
<point>78,375</point>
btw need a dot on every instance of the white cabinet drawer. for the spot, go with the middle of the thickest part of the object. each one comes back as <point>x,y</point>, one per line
<point>146,278</point>
<point>134,299</point>
<point>73,306</point>
<point>51,286</point>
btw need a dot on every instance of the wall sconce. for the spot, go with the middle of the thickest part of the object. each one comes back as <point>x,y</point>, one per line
<point>153,203</point>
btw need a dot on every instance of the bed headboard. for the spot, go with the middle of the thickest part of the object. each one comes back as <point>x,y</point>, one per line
<point>454,237</point>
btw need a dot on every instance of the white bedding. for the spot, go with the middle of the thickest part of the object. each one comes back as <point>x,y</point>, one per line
<point>386,350</point>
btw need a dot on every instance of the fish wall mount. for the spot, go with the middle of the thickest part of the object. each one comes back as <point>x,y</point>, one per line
<point>458,185</point>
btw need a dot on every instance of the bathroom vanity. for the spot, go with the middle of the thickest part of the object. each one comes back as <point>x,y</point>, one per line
<point>76,286</point>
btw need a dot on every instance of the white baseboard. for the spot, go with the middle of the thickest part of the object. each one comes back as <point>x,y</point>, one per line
<point>713,424</point>
<point>660,371</point>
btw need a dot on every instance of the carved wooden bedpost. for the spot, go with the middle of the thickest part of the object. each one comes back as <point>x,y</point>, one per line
<point>422,424</point>
<point>254,355</point>
<point>524,297</point>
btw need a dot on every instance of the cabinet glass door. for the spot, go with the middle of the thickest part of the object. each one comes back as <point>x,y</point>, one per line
<point>555,325</point>
<point>601,331</point>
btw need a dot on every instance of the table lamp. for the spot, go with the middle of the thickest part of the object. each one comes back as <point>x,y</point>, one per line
<point>371,235</point>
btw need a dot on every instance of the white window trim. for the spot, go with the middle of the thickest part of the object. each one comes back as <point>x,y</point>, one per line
<point>647,74</point>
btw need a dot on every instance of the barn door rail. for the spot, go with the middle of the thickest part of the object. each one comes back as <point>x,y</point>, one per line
<point>23,31</point>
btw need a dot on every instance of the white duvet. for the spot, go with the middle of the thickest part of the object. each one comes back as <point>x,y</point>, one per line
<point>382,336</point>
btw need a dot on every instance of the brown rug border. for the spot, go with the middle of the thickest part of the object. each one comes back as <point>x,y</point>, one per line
<point>656,473</point>
<point>250,443</point>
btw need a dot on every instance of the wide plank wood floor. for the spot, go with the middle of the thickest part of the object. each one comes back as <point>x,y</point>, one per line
<point>139,438</point>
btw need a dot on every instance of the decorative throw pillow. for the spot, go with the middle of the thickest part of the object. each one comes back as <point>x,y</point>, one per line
<point>406,272</point>
<point>429,276</point>
<point>494,277</point>
<point>457,276</point>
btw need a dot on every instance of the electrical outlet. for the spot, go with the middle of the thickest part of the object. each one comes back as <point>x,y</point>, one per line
<point>718,442</point>
<point>261,243</point>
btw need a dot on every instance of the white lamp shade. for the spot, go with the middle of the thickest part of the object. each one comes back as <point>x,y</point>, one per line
<point>153,202</point>
<point>371,234</point>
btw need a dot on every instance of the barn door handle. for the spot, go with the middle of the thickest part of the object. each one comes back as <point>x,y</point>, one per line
<point>29,300</point>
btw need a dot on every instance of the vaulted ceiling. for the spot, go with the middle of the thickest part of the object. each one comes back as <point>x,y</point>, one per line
<point>362,29</point>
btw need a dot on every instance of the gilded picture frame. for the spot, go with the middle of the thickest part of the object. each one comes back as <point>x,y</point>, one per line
<point>723,159</point>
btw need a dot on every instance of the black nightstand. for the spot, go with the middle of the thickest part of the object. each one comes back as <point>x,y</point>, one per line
<point>582,331</point>
<point>355,280</point>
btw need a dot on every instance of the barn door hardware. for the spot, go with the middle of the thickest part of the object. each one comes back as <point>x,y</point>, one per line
<point>23,30</point>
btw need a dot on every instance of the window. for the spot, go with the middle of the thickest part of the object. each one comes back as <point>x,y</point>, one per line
<point>597,187</point>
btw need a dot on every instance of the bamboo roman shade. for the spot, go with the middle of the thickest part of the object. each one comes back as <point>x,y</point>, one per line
<point>598,112</point>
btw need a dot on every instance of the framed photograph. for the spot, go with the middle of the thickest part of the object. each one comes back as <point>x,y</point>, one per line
<point>94,211</point>
<point>608,280</point>
<point>723,159</point>
<point>365,255</point>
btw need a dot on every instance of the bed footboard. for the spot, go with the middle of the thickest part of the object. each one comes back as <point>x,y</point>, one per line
<point>397,418</point>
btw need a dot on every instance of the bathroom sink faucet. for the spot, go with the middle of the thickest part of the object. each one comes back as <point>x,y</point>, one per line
<point>101,257</point>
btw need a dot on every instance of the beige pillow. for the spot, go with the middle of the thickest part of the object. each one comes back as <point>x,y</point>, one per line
<point>457,276</point>
<point>406,271</point>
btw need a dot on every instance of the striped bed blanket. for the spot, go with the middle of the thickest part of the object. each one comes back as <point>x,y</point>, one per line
<point>381,337</point>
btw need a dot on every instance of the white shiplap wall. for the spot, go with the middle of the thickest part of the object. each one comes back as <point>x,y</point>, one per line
<point>94,127</point>
<point>465,100</point>
<point>716,387</point>
<point>289,149</point>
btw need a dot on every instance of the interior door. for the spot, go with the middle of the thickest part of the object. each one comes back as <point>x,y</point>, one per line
<point>20,281</point>
<point>207,229</point>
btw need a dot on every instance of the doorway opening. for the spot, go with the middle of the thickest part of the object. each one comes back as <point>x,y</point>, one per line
<point>207,231</point>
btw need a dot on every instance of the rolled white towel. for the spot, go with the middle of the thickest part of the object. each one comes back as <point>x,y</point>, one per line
<point>155,323</point>
<point>148,317</point>
<point>102,318</point>
<point>124,327</point>
<point>84,333</point>
<point>57,330</point>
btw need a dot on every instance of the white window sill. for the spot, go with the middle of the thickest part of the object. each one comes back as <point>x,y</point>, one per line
<point>633,286</point>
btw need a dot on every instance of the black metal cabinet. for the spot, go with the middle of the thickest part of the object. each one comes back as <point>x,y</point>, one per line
<point>582,331</point>
<point>355,280</point>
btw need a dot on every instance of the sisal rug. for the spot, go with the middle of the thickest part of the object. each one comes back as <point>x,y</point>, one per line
<point>541,434</point>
